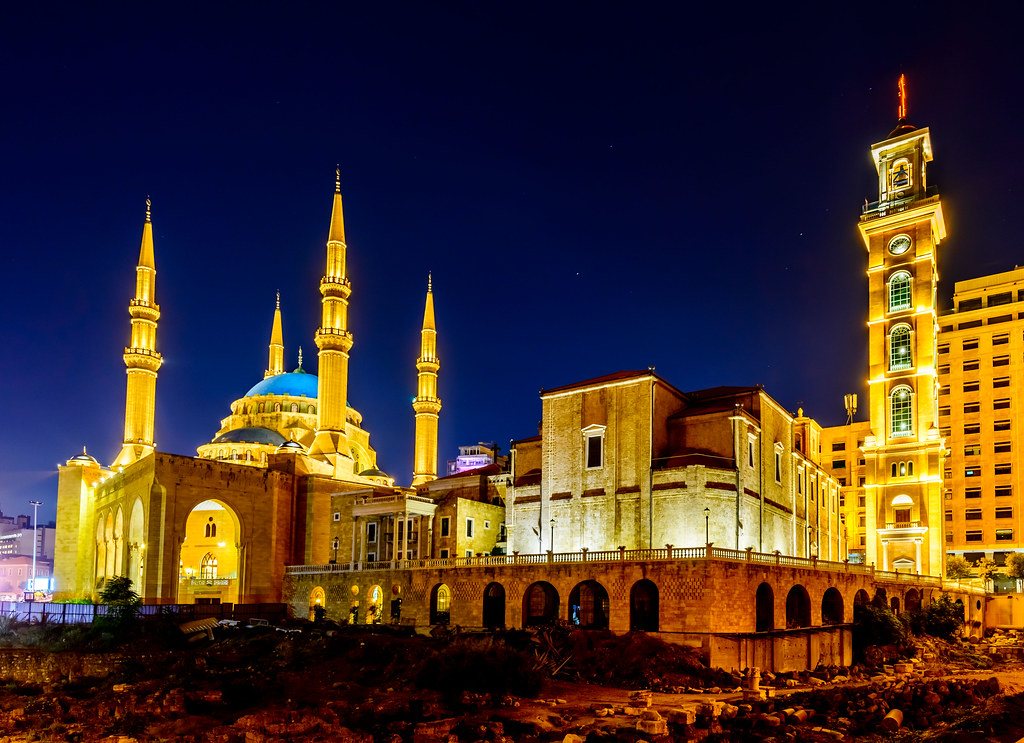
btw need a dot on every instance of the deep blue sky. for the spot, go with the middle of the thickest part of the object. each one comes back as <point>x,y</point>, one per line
<point>595,187</point>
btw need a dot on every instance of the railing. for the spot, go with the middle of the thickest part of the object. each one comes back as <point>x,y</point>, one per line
<point>207,581</point>
<point>903,525</point>
<point>667,553</point>
<point>891,206</point>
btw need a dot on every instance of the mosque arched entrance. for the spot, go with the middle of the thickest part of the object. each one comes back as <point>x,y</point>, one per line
<point>210,560</point>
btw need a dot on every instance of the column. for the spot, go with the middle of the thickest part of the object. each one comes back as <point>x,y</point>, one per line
<point>352,565</point>
<point>885,555</point>
<point>917,546</point>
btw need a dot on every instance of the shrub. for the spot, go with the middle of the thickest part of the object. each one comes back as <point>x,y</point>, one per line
<point>957,568</point>
<point>124,602</point>
<point>876,625</point>
<point>943,617</point>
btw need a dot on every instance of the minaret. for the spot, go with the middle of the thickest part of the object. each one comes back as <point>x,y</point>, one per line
<point>276,363</point>
<point>904,455</point>
<point>141,358</point>
<point>426,404</point>
<point>334,341</point>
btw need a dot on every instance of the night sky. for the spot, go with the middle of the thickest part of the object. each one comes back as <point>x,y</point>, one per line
<point>595,187</point>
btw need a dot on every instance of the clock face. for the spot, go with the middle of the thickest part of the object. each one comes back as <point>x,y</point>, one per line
<point>899,245</point>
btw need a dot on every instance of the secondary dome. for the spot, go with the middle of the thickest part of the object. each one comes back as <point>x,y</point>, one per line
<point>292,384</point>
<point>250,435</point>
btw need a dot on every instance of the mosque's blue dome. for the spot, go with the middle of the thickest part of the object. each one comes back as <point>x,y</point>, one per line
<point>252,435</point>
<point>293,384</point>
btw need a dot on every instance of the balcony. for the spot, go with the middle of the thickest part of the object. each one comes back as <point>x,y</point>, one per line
<point>903,525</point>
<point>895,205</point>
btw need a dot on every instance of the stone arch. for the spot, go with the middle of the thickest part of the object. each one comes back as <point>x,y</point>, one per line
<point>798,607</point>
<point>211,561</point>
<point>764,601</point>
<point>494,606</point>
<point>317,597</point>
<point>119,542</point>
<point>912,600</point>
<point>101,549</point>
<point>137,545</point>
<point>588,605</point>
<point>540,604</point>
<point>894,604</point>
<point>644,615</point>
<point>108,543</point>
<point>374,604</point>
<point>441,604</point>
<point>832,606</point>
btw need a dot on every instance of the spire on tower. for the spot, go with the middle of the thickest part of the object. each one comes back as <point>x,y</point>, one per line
<point>426,405</point>
<point>902,88</point>
<point>275,365</point>
<point>337,233</point>
<point>146,259</point>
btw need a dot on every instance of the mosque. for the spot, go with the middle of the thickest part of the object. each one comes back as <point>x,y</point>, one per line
<point>221,527</point>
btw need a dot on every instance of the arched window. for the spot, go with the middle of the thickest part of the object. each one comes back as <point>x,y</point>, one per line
<point>277,407</point>
<point>900,175</point>
<point>901,412</point>
<point>261,407</point>
<point>211,528</point>
<point>295,407</point>
<point>900,285</point>
<point>900,356</point>
<point>312,409</point>
<point>910,469</point>
<point>902,509</point>
<point>832,607</point>
<point>208,567</point>
<point>441,603</point>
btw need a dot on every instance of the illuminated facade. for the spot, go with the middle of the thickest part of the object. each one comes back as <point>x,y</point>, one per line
<point>221,527</point>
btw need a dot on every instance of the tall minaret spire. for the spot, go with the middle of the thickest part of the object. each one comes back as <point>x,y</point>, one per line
<point>426,404</point>
<point>334,341</point>
<point>276,363</point>
<point>141,358</point>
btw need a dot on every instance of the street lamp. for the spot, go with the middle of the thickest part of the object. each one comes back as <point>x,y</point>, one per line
<point>552,535</point>
<point>707,525</point>
<point>35,526</point>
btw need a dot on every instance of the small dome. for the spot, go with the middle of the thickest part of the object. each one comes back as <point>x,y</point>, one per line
<point>83,458</point>
<point>902,127</point>
<point>293,384</point>
<point>253,435</point>
<point>372,472</point>
<point>291,447</point>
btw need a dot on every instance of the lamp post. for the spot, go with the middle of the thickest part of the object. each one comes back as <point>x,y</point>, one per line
<point>35,547</point>
<point>707,525</point>
<point>552,535</point>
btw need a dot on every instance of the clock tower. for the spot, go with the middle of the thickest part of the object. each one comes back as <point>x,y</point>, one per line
<point>904,453</point>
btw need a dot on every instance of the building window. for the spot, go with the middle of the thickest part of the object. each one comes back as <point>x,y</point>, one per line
<point>972,493</point>
<point>972,514</point>
<point>839,464</point>
<point>972,536</point>
<point>994,300</point>
<point>948,515</point>
<point>778,466</point>
<point>1001,382</point>
<point>750,453</point>
<point>594,450</point>
<point>972,450</point>
<point>900,176</point>
<point>972,428</point>
<point>469,553</point>
<point>208,567</point>
<point>943,348</point>
<point>899,348</point>
<point>1001,404</point>
<point>1002,447</point>
<point>949,537</point>
<point>1004,469</point>
<point>901,412</point>
<point>1001,426</point>
<point>900,285</point>
<point>972,471</point>
<point>1004,535</point>
<point>371,532</point>
<point>1004,512</point>
<point>337,516</point>
<point>487,525</point>
<point>445,526</point>
<point>469,528</point>
<point>1004,491</point>
<point>972,386</point>
<point>943,368</point>
<point>972,365</point>
<point>839,446</point>
<point>444,554</point>
<point>970,343</point>
<point>944,410</point>
<point>1001,339</point>
<point>1000,361</point>
<point>972,407</point>
<point>861,500</point>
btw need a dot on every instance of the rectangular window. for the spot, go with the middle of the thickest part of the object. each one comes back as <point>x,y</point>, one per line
<point>944,410</point>
<point>861,481</point>
<point>1002,447</point>
<point>972,493</point>
<point>994,300</point>
<point>972,536</point>
<point>1001,404</point>
<point>1001,426</point>
<point>445,526</point>
<point>778,466</point>
<point>970,344</point>
<point>945,431</point>
<point>944,390</point>
<point>444,554</point>
<point>487,525</point>
<point>842,500</point>
<point>1001,382</point>
<point>972,471</point>
<point>943,368</point>
<point>337,516</point>
<point>371,533</point>
<point>839,446</point>
<point>750,453</point>
<point>469,553</point>
<point>371,557</point>
<point>1004,535</point>
<point>947,494</point>
<point>595,444</point>
<point>943,348</point>
<point>949,537</point>
<point>1000,340</point>
<point>842,481</point>
<point>972,386</point>
<point>469,528</point>
<point>1000,318</point>
<point>1000,361</point>
<point>800,482</point>
<point>972,514</point>
<point>970,428</point>
<point>972,450</point>
<point>949,515</point>
<point>972,365</point>
<point>860,501</point>
<point>1004,491</point>
<point>1004,512</point>
<point>861,521</point>
<point>1004,469</point>
<point>972,407</point>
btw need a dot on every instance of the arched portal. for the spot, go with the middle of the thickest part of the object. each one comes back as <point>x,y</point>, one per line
<point>912,600</point>
<point>540,604</point>
<point>441,604</point>
<point>317,597</point>
<point>643,607</point>
<point>588,605</point>
<point>798,607</point>
<point>137,546</point>
<point>860,600</point>
<point>210,563</point>
<point>108,542</point>
<point>765,603</point>
<point>894,604</point>
<point>494,606</point>
<point>119,542</point>
<point>832,606</point>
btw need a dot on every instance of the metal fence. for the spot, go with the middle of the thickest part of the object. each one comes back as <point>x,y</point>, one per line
<point>61,613</point>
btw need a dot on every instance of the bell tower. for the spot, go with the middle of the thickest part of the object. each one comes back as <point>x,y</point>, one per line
<point>904,455</point>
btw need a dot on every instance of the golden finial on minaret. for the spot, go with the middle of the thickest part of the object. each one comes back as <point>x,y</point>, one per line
<point>275,365</point>
<point>141,359</point>
<point>426,405</point>
<point>278,299</point>
<point>300,357</point>
<point>337,178</point>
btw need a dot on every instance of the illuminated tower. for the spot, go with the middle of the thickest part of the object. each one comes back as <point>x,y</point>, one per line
<point>276,364</point>
<point>426,404</point>
<point>904,456</point>
<point>141,358</point>
<point>334,341</point>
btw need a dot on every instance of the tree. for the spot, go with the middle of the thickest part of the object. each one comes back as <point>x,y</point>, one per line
<point>1015,567</point>
<point>957,567</point>
<point>117,593</point>
<point>944,617</point>
<point>985,568</point>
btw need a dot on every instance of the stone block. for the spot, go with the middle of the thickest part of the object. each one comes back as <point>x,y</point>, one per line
<point>681,716</point>
<point>652,727</point>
